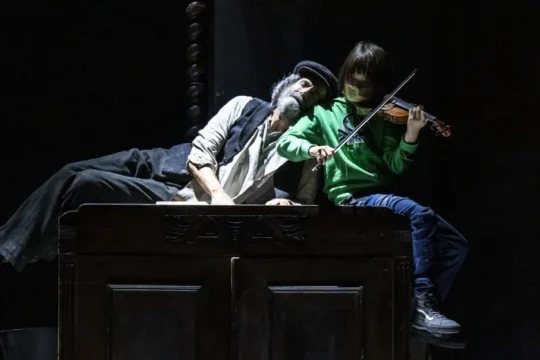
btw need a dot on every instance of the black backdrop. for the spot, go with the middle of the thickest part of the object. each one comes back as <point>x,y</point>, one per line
<point>81,79</point>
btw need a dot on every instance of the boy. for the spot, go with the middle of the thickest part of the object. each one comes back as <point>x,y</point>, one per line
<point>361,173</point>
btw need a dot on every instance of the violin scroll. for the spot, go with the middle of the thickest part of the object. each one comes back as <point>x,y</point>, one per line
<point>441,129</point>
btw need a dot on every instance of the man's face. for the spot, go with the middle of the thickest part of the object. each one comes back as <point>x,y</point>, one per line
<point>300,96</point>
<point>310,91</point>
<point>359,90</point>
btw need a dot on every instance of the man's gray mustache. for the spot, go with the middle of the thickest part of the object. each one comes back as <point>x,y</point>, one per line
<point>297,97</point>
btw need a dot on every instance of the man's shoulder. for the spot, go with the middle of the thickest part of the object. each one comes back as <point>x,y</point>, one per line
<point>246,104</point>
<point>240,100</point>
<point>234,108</point>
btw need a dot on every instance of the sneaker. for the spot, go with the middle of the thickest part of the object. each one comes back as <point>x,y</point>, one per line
<point>428,318</point>
<point>451,341</point>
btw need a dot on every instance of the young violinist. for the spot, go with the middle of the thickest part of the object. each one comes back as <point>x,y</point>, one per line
<point>363,171</point>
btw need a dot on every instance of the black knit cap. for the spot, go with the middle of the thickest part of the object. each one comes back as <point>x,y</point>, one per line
<point>311,68</point>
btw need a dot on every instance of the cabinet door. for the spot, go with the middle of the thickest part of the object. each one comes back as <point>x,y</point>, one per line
<point>292,309</point>
<point>140,308</point>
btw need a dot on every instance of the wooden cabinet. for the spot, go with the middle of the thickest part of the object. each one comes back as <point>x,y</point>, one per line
<point>253,282</point>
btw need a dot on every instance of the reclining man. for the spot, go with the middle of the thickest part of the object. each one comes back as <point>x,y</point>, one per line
<point>233,160</point>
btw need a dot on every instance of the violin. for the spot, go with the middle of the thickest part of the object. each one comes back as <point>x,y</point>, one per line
<point>397,111</point>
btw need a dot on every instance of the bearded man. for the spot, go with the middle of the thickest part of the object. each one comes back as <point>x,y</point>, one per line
<point>233,160</point>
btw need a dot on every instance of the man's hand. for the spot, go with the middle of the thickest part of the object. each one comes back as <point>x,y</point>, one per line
<point>322,153</point>
<point>220,197</point>
<point>416,121</point>
<point>280,202</point>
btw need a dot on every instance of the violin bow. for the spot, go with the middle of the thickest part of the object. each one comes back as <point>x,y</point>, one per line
<point>370,115</point>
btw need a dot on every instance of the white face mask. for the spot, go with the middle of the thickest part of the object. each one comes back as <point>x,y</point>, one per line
<point>352,94</point>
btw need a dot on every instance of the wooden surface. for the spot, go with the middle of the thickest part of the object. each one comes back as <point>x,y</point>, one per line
<point>240,282</point>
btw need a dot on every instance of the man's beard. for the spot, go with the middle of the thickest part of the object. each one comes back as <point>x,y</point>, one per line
<point>290,105</point>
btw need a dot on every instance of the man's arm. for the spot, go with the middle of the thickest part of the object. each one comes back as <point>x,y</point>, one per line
<point>208,180</point>
<point>212,138</point>
<point>202,161</point>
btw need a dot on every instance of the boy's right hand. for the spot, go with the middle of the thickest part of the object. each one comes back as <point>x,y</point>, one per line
<point>322,153</point>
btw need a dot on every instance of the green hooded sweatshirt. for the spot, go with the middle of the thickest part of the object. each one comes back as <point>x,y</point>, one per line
<point>370,159</point>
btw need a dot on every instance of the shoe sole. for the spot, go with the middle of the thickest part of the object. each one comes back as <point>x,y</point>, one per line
<point>444,341</point>
<point>437,330</point>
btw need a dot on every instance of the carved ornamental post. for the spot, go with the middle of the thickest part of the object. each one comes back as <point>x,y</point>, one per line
<point>197,67</point>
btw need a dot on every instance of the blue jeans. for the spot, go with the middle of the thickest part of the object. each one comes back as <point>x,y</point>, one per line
<point>438,248</point>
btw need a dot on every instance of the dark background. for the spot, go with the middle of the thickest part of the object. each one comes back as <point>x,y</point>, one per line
<point>83,79</point>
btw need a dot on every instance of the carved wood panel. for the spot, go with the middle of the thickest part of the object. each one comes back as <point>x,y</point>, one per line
<point>151,308</point>
<point>155,321</point>
<point>234,229</point>
<point>317,309</point>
